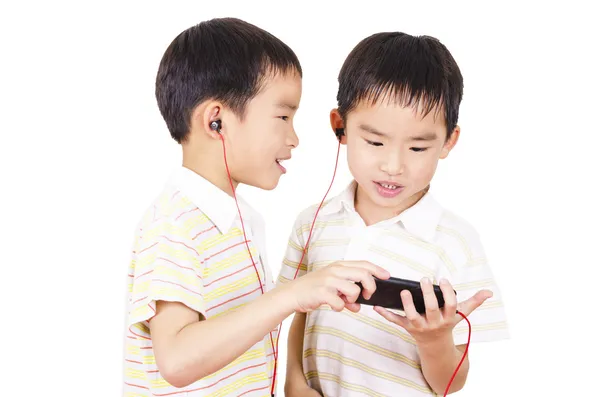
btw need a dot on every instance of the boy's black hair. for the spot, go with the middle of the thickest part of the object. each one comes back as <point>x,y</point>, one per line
<point>409,70</point>
<point>224,59</point>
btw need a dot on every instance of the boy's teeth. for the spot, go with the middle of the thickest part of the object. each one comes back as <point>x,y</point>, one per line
<point>388,186</point>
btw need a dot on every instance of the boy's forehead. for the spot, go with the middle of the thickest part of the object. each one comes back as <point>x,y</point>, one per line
<point>392,117</point>
<point>282,89</point>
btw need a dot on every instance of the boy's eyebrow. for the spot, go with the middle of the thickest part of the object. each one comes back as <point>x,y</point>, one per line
<point>372,130</point>
<point>287,106</point>
<point>428,136</point>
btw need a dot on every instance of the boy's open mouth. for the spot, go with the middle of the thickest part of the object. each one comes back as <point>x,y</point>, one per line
<point>280,163</point>
<point>388,189</point>
<point>389,185</point>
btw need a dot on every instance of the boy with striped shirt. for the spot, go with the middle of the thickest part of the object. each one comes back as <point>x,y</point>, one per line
<point>398,104</point>
<point>202,308</point>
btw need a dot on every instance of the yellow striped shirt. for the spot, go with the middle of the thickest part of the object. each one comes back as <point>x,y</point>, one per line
<point>362,354</point>
<point>189,248</point>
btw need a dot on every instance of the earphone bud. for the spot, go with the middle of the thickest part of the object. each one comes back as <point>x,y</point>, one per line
<point>216,126</point>
<point>339,133</point>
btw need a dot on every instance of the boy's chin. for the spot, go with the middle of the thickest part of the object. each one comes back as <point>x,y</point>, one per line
<point>387,202</point>
<point>264,183</point>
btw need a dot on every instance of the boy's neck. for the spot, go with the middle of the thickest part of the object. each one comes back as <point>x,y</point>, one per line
<point>212,171</point>
<point>371,213</point>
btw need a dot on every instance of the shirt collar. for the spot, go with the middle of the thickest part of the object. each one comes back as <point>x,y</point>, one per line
<point>344,200</point>
<point>421,219</point>
<point>217,205</point>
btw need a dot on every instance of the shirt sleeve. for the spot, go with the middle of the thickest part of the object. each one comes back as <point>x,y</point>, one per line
<point>488,321</point>
<point>166,266</point>
<point>291,267</point>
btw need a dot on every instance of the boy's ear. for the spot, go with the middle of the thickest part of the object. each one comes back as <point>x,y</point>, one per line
<point>337,124</point>
<point>203,115</point>
<point>450,143</point>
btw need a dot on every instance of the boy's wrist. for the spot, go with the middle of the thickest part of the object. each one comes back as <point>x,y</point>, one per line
<point>283,296</point>
<point>438,347</point>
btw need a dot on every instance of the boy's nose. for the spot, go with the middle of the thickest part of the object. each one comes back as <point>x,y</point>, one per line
<point>292,139</point>
<point>394,165</point>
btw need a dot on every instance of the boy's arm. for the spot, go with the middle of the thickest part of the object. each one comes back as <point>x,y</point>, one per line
<point>187,346</point>
<point>441,340</point>
<point>295,264</point>
<point>188,349</point>
<point>439,361</point>
<point>295,382</point>
<point>433,333</point>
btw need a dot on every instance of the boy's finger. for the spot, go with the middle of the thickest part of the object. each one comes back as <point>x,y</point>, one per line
<point>392,317</point>
<point>358,275</point>
<point>409,309</point>
<point>335,301</point>
<point>348,290</point>
<point>449,298</point>
<point>378,271</point>
<point>467,307</point>
<point>375,270</point>
<point>432,307</point>
<point>353,307</point>
<point>368,285</point>
<point>367,281</point>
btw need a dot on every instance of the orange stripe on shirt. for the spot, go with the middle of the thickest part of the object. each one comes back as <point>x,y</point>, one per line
<point>233,299</point>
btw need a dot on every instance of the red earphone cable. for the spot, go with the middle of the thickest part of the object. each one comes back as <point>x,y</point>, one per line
<point>464,356</point>
<point>275,345</point>
<point>262,291</point>
<point>337,157</point>
<point>240,214</point>
<point>302,257</point>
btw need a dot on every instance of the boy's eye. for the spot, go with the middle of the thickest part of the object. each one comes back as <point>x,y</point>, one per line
<point>374,143</point>
<point>284,118</point>
<point>418,149</point>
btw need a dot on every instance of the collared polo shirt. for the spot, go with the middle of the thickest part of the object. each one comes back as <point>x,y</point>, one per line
<point>189,248</point>
<point>362,354</point>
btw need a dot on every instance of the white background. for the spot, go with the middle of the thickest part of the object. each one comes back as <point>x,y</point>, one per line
<point>84,150</point>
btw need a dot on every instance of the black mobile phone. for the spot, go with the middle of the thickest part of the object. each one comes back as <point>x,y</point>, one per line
<point>387,294</point>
